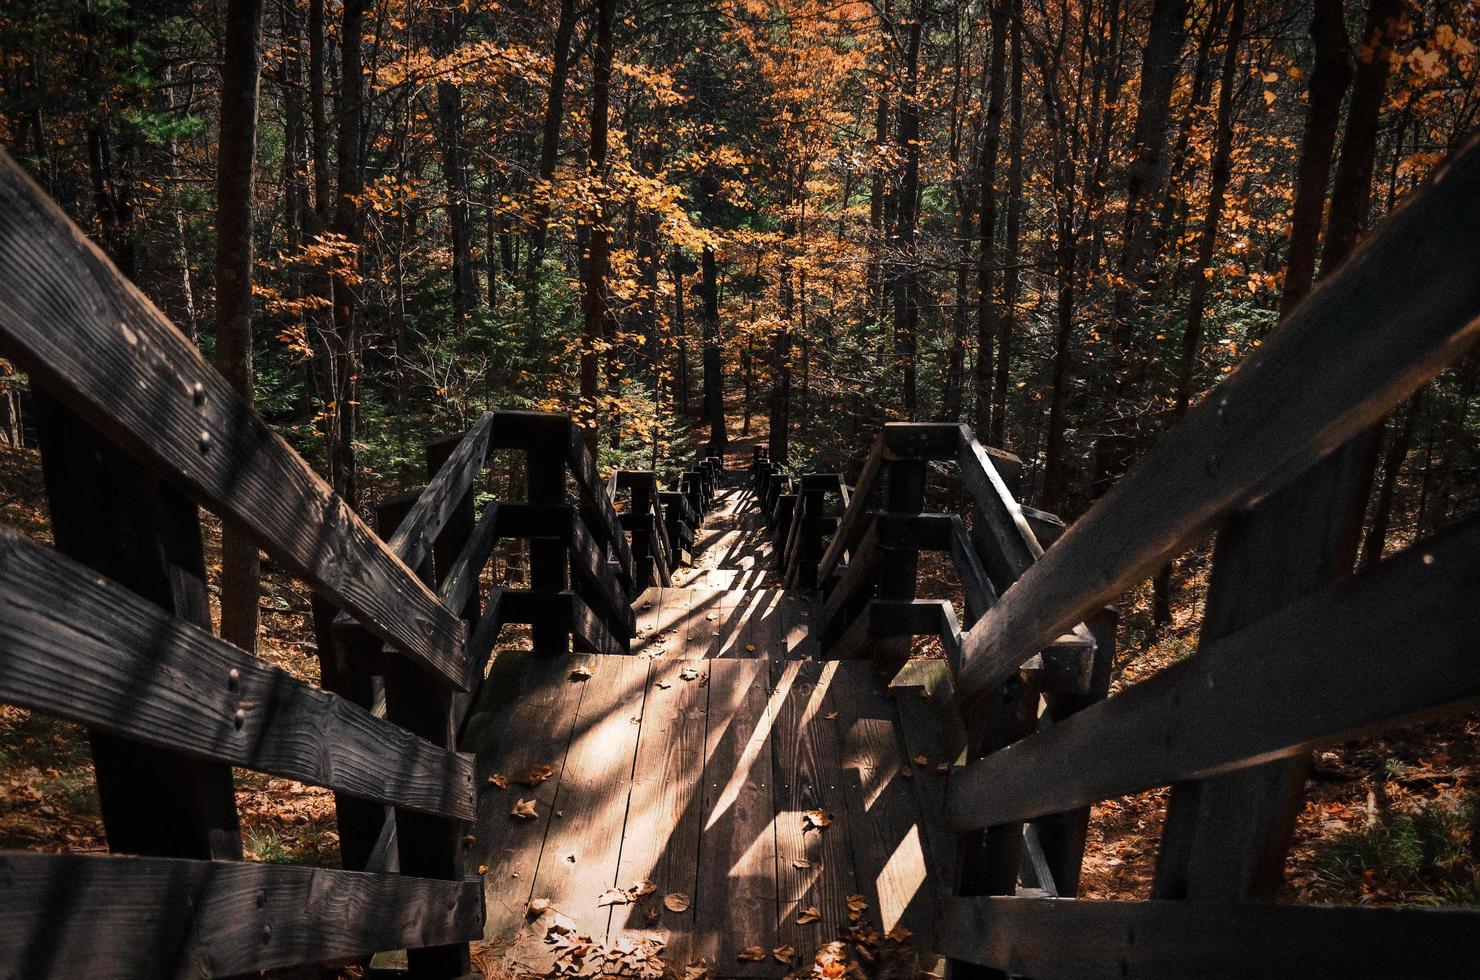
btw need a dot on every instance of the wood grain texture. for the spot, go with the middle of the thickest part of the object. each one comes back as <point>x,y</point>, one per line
<point>1389,646</point>
<point>736,895</point>
<point>890,857</point>
<point>1066,938</point>
<point>69,915</point>
<point>660,839</point>
<point>525,721</point>
<point>809,776</point>
<point>1402,307</point>
<point>76,646</point>
<point>90,338</point>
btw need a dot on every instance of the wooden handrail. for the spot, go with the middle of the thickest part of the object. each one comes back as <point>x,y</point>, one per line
<point>1393,645</point>
<point>1406,304</point>
<point>79,647</point>
<point>94,342</point>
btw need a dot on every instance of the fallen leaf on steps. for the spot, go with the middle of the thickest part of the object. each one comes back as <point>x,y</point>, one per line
<point>535,776</point>
<point>784,954</point>
<point>499,780</point>
<point>613,896</point>
<point>524,810</point>
<point>581,673</point>
<point>830,716</point>
<point>815,820</point>
<point>809,914</point>
<point>801,863</point>
<point>899,933</point>
<point>538,907</point>
<point>676,902</point>
<point>697,970</point>
<point>751,954</point>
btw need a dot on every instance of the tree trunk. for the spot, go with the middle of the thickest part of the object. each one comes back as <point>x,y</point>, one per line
<point>549,152</point>
<point>347,316</point>
<point>596,325</point>
<point>986,169</point>
<point>907,279</point>
<point>1329,78</point>
<point>1007,321</point>
<point>235,160</point>
<point>455,175</point>
<point>714,383</point>
<point>1144,180</point>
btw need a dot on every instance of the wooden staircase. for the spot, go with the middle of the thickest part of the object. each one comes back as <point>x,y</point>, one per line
<point>722,762</point>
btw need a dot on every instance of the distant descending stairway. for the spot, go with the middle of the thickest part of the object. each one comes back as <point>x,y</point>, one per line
<point>694,764</point>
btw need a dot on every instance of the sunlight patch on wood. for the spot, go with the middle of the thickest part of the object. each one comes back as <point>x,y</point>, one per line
<point>901,878</point>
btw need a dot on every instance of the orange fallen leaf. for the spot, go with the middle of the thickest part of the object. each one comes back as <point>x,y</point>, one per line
<point>697,970</point>
<point>784,954</point>
<point>907,772</point>
<point>483,869</point>
<point>581,673</point>
<point>613,896</point>
<point>943,768</point>
<point>899,933</point>
<point>676,902</point>
<point>809,914</point>
<point>538,907</point>
<point>801,863</point>
<point>829,716</point>
<point>857,903</point>
<point>815,820</point>
<point>640,888</point>
<point>921,761</point>
<point>751,954</point>
<point>536,775</point>
<point>524,810</point>
<point>498,780</point>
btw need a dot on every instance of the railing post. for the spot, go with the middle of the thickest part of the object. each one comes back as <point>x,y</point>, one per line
<point>904,495</point>
<point>808,548</point>
<point>426,846</point>
<point>545,468</point>
<point>1063,835</point>
<point>110,514</point>
<point>642,516</point>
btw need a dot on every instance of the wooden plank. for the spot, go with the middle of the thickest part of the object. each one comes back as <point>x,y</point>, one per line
<point>71,915</point>
<point>765,624</point>
<point>890,857</point>
<point>1401,308</point>
<point>88,336</point>
<point>800,623</point>
<point>86,660</point>
<point>1391,645</point>
<point>583,845</point>
<point>921,441</point>
<point>735,900</point>
<point>527,721</point>
<point>736,607</point>
<point>860,579</point>
<point>143,535</point>
<point>808,775</point>
<point>660,839</point>
<point>705,621</point>
<point>1048,937</point>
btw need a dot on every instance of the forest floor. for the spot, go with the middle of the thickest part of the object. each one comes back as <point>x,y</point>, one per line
<point>1387,820</point>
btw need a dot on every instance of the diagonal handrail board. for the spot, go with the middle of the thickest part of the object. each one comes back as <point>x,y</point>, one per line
<point>1169,940</point>
<point>100,347</point>
<point>1310,387</point>
<point>74,915</point>
<point>427,517</point>
<point>1390,646</point>
<point>77,646</point>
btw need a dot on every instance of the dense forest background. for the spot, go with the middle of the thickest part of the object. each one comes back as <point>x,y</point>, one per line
<point>1058,220</point>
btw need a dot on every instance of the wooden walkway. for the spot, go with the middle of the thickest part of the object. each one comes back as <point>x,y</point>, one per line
<point>719,791</point>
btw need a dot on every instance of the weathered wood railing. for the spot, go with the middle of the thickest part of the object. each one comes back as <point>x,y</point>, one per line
<point>1295,651</point>
<point>111,629</point>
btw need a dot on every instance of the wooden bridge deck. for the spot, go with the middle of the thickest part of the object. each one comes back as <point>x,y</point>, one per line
<point>724,788</point>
